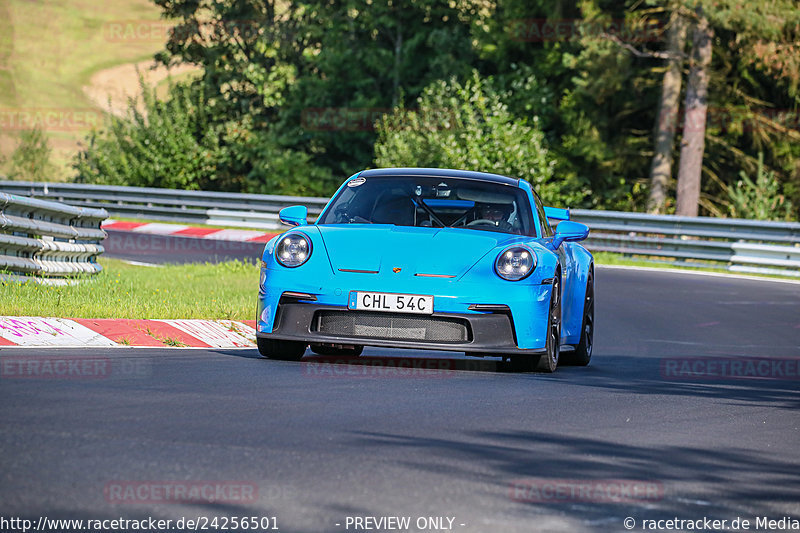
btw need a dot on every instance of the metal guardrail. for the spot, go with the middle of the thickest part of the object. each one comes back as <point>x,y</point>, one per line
<point>753,246</point>
<point>48,239</point>
<point>705,227</point>
<point>170,205</point>
<point>735,244</point>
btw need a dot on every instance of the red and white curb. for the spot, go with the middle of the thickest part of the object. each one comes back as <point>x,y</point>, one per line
<point>195,232</point>
<point>112,332</point>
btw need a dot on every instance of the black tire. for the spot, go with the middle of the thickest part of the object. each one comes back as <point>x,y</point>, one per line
<point>282,350</point>
<point>548,362</point>
<point>583,351</point>
<point>330,350</point>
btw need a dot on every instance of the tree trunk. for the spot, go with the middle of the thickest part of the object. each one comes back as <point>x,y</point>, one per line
<point>661,166</point>
<point>398,54</point>
<point>694,119</point>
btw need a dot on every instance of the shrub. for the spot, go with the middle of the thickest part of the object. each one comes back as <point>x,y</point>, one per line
<point>165,144</point>
<point>180,143</point>
<point>760,199</point>
<point>468,126</point>
<point>30,160</point>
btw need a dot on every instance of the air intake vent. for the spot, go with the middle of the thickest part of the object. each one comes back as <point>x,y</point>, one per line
<point>391,326</point>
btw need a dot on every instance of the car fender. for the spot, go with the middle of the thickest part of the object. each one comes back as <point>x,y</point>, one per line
<point>316,272</point>
<point>546,262</point>
<point>573,300</point>
<point>530,318</point>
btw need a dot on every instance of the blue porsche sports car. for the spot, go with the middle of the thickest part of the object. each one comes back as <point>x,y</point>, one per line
<point>435,259</point>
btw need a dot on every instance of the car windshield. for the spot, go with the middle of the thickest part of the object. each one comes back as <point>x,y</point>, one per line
<point>437,202</point>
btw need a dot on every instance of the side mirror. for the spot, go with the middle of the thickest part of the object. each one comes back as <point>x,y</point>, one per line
<point>296,215</point>
<point>569,231</point>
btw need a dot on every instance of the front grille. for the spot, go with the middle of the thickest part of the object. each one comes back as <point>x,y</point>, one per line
<point>391,326</point>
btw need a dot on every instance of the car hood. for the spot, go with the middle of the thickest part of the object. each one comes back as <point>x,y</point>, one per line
<point>381,248</point>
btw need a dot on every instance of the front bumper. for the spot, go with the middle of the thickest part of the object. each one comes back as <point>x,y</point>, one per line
<point>521,329</point>
<point>481,334</point>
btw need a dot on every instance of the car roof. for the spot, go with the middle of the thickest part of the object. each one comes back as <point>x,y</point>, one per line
<point>440,173</point>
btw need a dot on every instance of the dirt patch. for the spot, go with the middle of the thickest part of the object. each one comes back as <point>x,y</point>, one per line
<point>110,89</point>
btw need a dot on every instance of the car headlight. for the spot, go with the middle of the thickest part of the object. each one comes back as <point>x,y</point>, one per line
<point>293,250</point>
<point>515,263</point>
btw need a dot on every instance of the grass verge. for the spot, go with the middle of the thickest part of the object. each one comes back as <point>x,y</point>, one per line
<point>613,259</point>
<point>211,291</point>
<point>609,258</point>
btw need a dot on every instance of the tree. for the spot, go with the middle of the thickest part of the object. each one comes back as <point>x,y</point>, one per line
<point>277,62</point>
<point>174,143</point>
<point>304,82</point>
<point>694,123</point>
<point>368,56</point>
<point>753,96</point>
<point>661,167</point>
<point>752,102</point>
<point>248,49</point>
<point>31,158</point>
<point>597,89</point>
<point>467,126</point>
<point>165,144</point>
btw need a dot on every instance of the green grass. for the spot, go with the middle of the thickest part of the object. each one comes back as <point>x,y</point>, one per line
<point>609,258</point>
<point>212,291</point>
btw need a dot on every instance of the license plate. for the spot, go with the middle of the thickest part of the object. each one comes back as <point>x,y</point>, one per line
<point>390,302</point>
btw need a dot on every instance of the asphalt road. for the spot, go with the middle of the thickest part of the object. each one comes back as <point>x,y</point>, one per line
<point>320,441</point>
<point>162,249</point>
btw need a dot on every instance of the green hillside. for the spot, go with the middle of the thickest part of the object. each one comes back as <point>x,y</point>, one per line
<point>50,49</point>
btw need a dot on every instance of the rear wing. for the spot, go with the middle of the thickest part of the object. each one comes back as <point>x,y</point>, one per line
<point>556,213</point>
